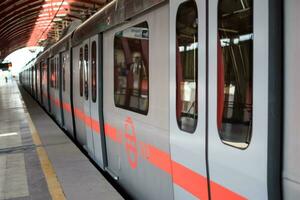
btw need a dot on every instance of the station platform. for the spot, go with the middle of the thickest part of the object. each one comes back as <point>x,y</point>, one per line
<point>37,160</point>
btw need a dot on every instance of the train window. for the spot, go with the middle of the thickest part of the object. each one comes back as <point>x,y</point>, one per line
<point>54,72</point>
<point>64,60</point>
<point>94,71</point>
<point>187,66</point>
<point>235,72</point>
<point>51,84</point>
<point>81,72</point>
<point>57,72</point>
<point>52,69</point>
<point>131,68</point>
<point>45,72</point>
<point>86,72</point>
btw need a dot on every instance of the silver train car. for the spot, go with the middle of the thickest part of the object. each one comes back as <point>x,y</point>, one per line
<point>182,99</point>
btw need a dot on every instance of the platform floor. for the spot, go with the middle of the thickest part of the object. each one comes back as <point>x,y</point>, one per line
<point>37,160</point>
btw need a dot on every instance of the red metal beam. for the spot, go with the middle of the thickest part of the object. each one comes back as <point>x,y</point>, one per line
<point>25,20</point>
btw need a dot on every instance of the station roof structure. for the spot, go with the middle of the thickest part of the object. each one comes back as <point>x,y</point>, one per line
<point>25,23</point>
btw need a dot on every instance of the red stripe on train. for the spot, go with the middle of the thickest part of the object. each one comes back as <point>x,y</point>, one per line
<point>220,192</point>
<point>194,183</point>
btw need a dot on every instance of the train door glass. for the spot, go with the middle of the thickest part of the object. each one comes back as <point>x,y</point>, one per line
<point>187,96</point>
<point>31,80</point>
<point>131,90</point>
<point>87,97</point>
<point>63,61</point>
<point>237,136</point>
<point>58,89</point>
<point>235,68</point>
<point>52,85</point>
<point>40,81</point>
<point>36,78</point>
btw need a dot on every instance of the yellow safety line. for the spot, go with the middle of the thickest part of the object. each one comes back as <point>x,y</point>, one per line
<point>54,186</point>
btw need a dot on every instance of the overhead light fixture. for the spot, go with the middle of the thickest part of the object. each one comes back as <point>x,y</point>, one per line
<point>61,15</point>
<point>8,134</point>
<point>57,19</point>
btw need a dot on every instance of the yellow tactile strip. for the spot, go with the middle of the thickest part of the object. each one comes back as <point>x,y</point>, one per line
<point>54,186</point>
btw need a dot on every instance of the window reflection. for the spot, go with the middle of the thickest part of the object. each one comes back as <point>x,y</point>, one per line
<point>94,71</point>
<point>81,72</point>
<point>131,58</point>
<point>235,69</point>
<point>86,72</point>
<point>187,66</point>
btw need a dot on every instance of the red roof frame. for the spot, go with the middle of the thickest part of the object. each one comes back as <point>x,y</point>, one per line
<point>27,22</point>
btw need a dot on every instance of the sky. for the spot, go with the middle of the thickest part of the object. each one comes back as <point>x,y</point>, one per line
<point>21,57</point>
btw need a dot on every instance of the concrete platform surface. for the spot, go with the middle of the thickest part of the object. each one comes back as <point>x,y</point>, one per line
<point>37,160</point>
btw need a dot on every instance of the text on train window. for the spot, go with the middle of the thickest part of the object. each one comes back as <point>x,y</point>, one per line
<point>94,71</point>
<point>86,72</point>
<point>131,68</point>
<point>235,72</point>
<point>81,72</point>
<point>187,66</point>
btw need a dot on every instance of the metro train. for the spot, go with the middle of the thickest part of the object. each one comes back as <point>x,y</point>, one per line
<point>181,99</point>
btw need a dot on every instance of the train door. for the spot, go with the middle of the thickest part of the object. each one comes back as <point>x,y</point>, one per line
<point>187,98</point>
<point>58,94</point>
<point>66,91</point>
<point>136,99</point>
<point>48,84</point>
<point>87,96</point>
<point>38,89</point>
<point>78,94</point>
<point>55,89</point>
<point>243,99</point>
<point>31,79</point>
<point>45,84</point>
<point>53,85</point>
<point>93,71</point>
<point>35,81</point>
<point>41,82</point>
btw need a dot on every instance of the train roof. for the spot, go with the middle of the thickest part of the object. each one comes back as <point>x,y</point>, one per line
<point>113,14</point>
<point>116,12</point>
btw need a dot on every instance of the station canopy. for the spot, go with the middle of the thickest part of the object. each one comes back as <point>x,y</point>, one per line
<point>26,23</point>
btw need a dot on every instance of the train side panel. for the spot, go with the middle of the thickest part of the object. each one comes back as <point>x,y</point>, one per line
<point>137,137</point>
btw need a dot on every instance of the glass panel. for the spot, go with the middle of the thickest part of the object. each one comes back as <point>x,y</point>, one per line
<point>81,72</point>
<point>94,71</point>
<point>52,68</point>
<point>64,60</point>
<point>131,70</point>
<point>235,72</point>
<point>187,66</point>
<point>57,73</point>
<point>86,72</point>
